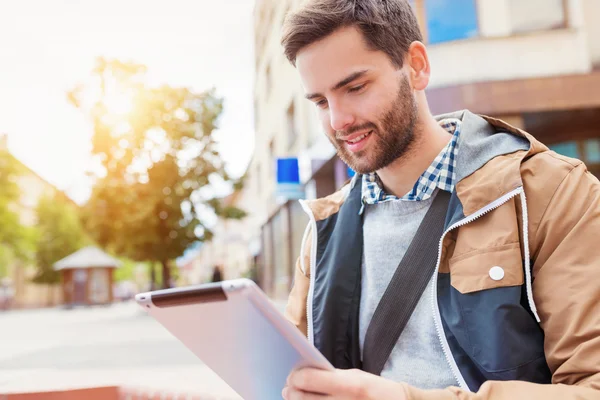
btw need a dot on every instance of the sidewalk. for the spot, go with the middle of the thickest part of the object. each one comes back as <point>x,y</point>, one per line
<point>103,393</point>
<point>118,346</point>
<point>199,382</point>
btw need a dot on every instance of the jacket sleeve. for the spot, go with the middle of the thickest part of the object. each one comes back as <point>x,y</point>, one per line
<point>564,217</point>
<point>295,310</point>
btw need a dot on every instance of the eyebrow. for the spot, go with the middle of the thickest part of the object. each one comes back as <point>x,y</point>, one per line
<point>340,84</point>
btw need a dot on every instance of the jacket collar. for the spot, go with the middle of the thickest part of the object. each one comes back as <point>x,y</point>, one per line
<point>489,160</point>
<point>488,164</point>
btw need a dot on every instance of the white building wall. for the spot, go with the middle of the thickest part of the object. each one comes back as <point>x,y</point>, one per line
<point>547,53</point>
<point>516,43</point>
<point>590,12</point>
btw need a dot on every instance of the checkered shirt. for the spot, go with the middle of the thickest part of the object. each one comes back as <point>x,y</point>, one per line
<point>439,174</point>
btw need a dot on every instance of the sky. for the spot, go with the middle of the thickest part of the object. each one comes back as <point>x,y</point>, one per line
<point>48,46</point>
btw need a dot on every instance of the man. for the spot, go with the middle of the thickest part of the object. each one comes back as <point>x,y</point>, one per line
<point>217,275</point>
<point>512,309</point>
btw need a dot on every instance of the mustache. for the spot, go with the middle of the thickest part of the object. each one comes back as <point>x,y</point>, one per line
<point>354,129</point>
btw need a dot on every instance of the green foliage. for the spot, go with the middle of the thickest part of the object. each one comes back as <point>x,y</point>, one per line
<point>156,156</point>
<point>225,211</point>
<point>126,271</point>
<point>7,257</point>
<point>16,241</point>
<point>60,234</point>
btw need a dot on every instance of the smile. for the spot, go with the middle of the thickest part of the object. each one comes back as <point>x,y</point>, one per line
<point>358,139</point>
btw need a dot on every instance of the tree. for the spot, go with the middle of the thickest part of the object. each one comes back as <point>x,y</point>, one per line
<point>60,234</point>
<point>16,240</point>
<point>157,158</point>
<point>126,271</point>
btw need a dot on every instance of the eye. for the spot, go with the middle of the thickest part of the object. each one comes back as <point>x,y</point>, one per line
<point>321,103</point>
<point>356,88</point>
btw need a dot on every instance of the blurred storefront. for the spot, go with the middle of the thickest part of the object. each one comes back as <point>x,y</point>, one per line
<point>281,238</point>
<point>87,277</point>
<point>563,113</point>
<point>281,234</point>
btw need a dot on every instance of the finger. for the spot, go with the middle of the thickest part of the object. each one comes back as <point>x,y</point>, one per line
<point>308,379</point>
<point>318,381</point>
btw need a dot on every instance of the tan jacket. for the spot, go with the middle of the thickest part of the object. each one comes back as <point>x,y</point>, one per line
<point>560,207</point>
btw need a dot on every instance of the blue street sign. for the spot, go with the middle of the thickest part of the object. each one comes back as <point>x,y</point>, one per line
<point>288,179</point>
<point>288,170</point>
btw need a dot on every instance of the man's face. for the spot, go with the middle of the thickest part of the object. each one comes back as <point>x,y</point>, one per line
<point>365,103</point>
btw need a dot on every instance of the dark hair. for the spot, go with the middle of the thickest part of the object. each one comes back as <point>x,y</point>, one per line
<point>387,25</point>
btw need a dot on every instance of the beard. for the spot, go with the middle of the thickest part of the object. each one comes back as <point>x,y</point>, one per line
<point>392,137</point>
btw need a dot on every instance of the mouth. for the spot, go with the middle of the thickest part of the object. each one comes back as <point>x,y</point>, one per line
<point>359,138</point>
<point>357,143</point>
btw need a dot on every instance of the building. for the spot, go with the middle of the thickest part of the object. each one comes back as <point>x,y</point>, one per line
<point>32,188</point>
<point>87,277</point>
<point>285,126</point>
<point>533,63</point>
<point>232,248</point>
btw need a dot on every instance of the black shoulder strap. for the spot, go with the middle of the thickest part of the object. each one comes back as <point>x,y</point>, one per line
<point>406,287</point>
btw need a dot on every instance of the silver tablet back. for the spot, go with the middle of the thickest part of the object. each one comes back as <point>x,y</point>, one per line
<point>236,332</point>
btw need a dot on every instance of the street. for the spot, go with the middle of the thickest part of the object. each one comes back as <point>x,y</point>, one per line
<point>54,349</point>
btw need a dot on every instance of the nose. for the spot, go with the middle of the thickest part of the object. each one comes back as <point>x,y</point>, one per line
<point>340,118</point>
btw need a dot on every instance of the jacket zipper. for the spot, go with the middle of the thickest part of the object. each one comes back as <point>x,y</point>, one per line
<point>313,262</point>
<point>436,310</point>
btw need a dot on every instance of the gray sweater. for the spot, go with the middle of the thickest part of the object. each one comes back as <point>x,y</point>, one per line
<point>417,358</point>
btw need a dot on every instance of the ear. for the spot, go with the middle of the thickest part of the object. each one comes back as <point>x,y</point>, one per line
<point>419,69</point>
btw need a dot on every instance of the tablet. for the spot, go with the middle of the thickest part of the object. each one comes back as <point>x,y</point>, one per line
<point>235,329</point>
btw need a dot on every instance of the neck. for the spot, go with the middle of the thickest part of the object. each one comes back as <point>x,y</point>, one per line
<point>399,177</point>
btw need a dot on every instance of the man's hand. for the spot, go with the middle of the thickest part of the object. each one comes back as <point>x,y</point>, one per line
<point>310,383</point>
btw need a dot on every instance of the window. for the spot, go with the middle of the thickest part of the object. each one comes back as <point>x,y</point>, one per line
<point>268,81</point>
<point>587,150</point>
<point>280,254</point>
<point>272,161</point>
<point>315,130</point>
<point>292,134</point>
<point>282,240</point>
<point>258,180</point>
<point>592,151</point>
<point>449,20</point>
<point>535,15</point>
<point>569,149</point>
<point>418,7</point>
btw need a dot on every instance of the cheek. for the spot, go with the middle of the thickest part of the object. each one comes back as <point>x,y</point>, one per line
<point>373,106</point>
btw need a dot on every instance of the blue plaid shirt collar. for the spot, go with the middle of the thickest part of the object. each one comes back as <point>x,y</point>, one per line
<point>441,173</point>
